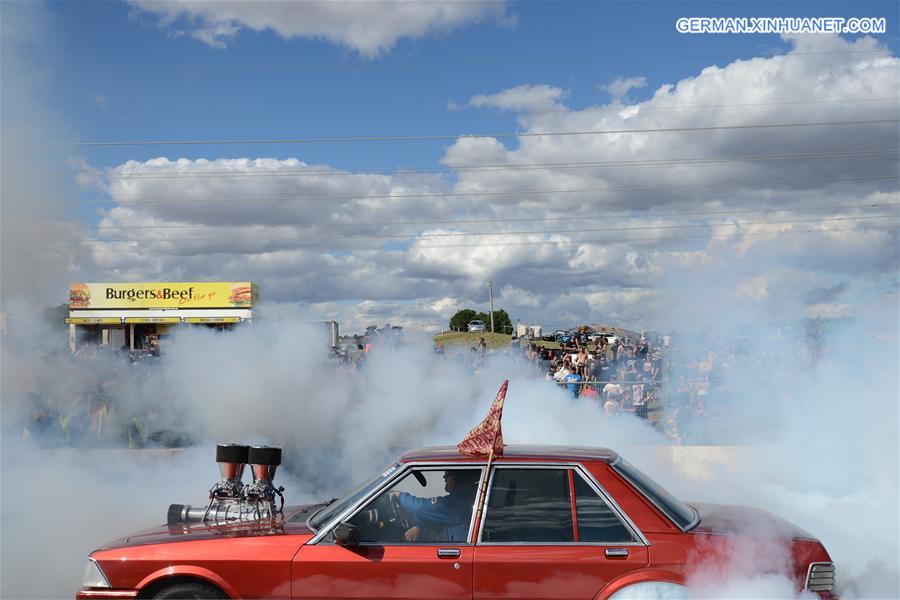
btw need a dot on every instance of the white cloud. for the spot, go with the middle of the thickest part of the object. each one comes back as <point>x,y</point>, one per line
<point>370,28</point>
<point>309,232</point>
<point>619,87</point>
<point>522,98</point>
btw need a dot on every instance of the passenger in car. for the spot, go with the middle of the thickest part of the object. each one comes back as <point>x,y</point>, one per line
<point>445,517</point>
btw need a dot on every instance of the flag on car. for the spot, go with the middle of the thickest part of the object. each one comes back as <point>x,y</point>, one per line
<point>487,435</point>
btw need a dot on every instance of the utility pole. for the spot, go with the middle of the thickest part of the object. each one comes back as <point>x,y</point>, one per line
<point>491,297</point>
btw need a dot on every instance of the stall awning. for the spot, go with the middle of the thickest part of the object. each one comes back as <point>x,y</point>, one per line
<point>94,320</point>
<point>153,319</point>
<point>212,319</point>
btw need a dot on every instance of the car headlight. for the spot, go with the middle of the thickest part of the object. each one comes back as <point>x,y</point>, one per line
<point>93,576</point>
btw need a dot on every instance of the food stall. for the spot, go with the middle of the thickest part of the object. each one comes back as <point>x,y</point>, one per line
<point>139,316</point>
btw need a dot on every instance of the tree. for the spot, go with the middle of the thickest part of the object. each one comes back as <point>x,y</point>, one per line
<point>460,321</point>
<point>502,324</point>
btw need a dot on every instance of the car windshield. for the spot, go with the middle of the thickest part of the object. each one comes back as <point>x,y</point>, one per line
<point>339,505</point>
<point>678,512</point>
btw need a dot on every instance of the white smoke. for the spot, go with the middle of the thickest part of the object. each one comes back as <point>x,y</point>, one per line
<point>271,382</point>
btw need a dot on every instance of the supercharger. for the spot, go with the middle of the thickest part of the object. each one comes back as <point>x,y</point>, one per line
<point>230,499</point>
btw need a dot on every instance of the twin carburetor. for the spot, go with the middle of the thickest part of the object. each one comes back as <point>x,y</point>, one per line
<point>232,500</point>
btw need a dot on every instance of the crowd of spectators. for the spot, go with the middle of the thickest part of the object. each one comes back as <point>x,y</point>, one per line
<point>715,382</point>
<point>619,374</point>
<point>97,397</point>
<point>690,389</point>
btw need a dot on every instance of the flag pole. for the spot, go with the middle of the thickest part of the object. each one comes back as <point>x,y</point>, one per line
<point>473,443</point>
<point>483,492</point>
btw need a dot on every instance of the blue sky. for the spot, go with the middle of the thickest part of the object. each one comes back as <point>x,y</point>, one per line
<point>157,86</point>
<point>116,71</point>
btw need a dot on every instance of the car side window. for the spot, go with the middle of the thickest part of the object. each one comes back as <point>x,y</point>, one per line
<point>529,505</point>
<point>424,506</point>
<point>596,520</point>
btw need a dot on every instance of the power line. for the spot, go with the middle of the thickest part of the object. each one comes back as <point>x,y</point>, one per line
<point>558,242</point>
<point>226,199</point>
<point>481,62</point>
<point>605,216</point>
<point>438,137</point>
<point>658,239</point>
<point>526,232</point>
<point>688,161</point>
<point>591,109</point>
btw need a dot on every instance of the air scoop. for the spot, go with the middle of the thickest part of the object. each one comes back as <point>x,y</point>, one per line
<point>230,499</point>
<point>232,459</point>
<point>264,461</point>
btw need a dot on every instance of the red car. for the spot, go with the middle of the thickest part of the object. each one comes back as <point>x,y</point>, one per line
<point>557,522</point>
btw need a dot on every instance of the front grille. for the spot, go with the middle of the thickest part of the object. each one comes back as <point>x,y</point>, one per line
<point>820,577</point>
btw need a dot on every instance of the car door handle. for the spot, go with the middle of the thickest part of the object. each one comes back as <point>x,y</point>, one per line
<point>448,552</point>
<point>616,552</point>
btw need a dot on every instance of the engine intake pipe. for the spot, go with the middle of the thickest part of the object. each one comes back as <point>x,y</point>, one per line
<point>232,459</point>
<point>264,461</point>
<point>230,499</point>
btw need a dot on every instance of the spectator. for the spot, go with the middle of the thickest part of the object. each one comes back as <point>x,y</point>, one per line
<point>642,348</point>
<point>611,407</point>
<point>580,361</point>
<point>602,369</point>
<point>650,371</point>
<point>613,391</point>
<point>573,381</point>
<point>562,372</point>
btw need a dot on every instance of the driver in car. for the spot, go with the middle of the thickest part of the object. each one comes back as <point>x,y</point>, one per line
<point>447,517</point>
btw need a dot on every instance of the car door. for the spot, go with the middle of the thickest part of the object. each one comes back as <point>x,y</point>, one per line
<point>549,531</point>
<point>385,564</point>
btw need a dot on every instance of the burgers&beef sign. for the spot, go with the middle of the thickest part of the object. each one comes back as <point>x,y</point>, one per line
<point>218,294</point>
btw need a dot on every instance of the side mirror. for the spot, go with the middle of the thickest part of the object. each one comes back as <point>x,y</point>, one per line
<point>346,534</point>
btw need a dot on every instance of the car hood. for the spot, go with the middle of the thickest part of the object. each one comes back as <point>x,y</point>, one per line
<point>724,519</point>
<point>292,523</point>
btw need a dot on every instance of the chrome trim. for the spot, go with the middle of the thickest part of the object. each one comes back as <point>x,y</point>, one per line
<point>628,480</point>
<point>820,577</point>
<point>409,544</point>
<point>576,544</point>
<point>90,593</point>
<point>351,511</point>
<point>591,481</point>
<point>616,552</point>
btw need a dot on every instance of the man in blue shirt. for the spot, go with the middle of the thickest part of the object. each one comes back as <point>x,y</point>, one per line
<point>573,382</point>
<point>444,518</point>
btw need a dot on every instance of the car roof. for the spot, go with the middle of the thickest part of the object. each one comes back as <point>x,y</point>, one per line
<point>513,451</point>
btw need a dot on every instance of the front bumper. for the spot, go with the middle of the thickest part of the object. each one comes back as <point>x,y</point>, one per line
<point>104,593</point>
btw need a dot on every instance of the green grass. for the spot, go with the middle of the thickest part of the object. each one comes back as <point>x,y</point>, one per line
<point>460,338</point>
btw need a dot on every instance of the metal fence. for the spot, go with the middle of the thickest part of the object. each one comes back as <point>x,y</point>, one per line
<point>689,411</point>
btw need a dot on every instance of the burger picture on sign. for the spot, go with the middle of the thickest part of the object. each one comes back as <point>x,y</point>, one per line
<point>241,295</point>
<point>79,295</point>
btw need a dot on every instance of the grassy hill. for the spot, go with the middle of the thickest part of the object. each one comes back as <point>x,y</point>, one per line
<point>460,338</point>
<point>499,340</point>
